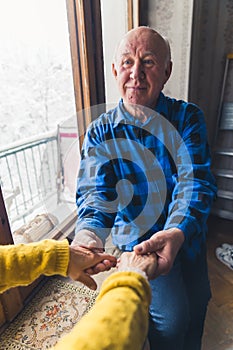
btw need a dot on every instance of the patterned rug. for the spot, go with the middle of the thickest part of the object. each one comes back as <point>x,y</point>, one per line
<point>53,312</point>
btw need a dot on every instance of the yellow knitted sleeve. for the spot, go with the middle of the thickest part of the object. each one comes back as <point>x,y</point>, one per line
<point>21,264</point>
<point>118,320</point>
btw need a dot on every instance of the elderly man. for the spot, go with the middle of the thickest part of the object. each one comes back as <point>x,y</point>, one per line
<point>145,178</point>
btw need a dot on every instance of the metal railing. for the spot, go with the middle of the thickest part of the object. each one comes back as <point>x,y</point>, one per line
<point>30,171</point>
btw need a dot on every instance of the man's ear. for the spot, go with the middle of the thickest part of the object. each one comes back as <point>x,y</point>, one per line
<point>168,71</point>
<point>114,70</point>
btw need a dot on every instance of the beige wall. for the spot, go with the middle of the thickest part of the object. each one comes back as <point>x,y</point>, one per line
<point>173,19</point>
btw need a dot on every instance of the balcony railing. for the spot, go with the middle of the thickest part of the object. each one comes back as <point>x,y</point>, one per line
<point>30,171</point>
<point>38,175</point>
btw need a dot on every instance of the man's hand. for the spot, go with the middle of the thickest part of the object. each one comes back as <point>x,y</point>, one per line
<point>147,263</point>
<point>82,259</point>
<point>165,244</point>
<point>91,241</point>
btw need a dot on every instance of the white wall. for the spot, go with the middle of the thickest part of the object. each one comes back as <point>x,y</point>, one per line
<point>173,19</point>
<point>114,21</point>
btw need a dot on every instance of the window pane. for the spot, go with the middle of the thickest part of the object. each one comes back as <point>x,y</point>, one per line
<point>36,103</point>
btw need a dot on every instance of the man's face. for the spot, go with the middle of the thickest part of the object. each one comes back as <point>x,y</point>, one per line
<point>142,67</point>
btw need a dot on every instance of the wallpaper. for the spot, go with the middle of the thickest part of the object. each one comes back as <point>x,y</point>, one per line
<point>173,19</point>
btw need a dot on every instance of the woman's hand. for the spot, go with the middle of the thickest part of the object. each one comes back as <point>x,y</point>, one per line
<point>83,259</point>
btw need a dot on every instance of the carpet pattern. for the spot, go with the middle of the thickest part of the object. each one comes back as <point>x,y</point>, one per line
<point>53,312</point>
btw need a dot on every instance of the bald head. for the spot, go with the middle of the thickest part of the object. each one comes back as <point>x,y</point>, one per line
<point>144,31</point>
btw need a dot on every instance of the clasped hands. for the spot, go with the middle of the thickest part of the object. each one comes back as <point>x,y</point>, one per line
<point>154,256</point>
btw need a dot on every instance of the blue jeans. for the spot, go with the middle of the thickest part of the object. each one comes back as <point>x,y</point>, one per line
<point>179,304</point>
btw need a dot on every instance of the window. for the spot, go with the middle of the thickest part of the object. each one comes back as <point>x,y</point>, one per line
<point>37,108</point>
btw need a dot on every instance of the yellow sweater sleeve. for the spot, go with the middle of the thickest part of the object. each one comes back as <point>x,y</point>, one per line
<point>21,264</point>
<point>118,320</point>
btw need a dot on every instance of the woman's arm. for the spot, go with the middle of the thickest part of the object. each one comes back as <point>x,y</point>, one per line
<point>23,263</point>
<point>118,320</point>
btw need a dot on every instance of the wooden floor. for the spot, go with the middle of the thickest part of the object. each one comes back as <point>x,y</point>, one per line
<point>218,333</point>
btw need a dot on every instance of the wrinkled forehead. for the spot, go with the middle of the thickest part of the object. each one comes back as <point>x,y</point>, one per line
<point>144,40</point>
